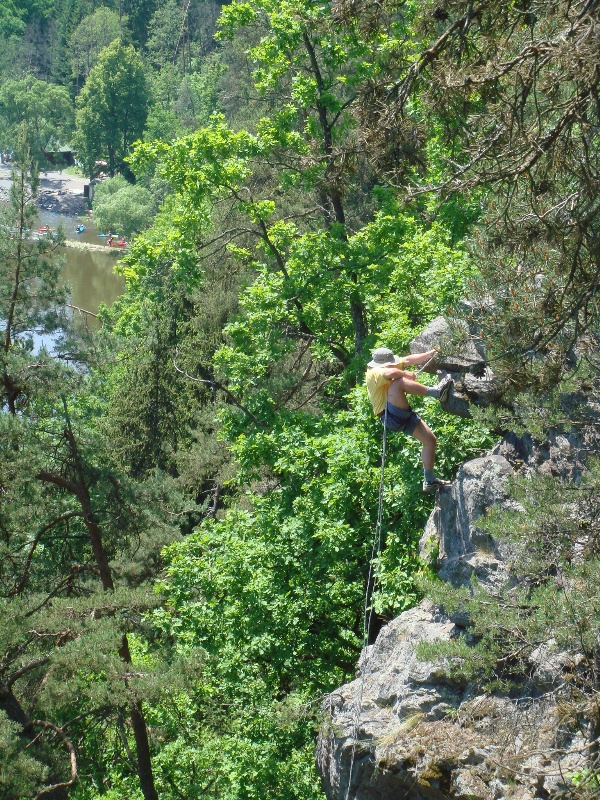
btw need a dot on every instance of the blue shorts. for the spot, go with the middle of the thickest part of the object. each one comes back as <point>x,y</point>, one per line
<point>400,419</point>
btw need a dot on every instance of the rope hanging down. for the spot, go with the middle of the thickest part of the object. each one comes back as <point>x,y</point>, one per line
<point>368,610</point>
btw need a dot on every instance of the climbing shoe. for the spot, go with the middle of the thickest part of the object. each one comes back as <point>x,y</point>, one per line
<point>444,388</point>
<point>432,486</point>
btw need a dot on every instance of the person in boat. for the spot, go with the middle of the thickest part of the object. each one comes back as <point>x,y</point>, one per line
<point>388,384</point>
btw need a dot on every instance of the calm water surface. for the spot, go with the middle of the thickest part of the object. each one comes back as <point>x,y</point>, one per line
<point>89,273</point>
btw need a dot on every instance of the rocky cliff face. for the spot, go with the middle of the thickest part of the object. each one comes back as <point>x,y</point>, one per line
<point>419,735</point>
<point>405,729</point>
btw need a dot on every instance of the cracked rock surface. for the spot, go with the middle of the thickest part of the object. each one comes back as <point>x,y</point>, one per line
<point>405,729</point>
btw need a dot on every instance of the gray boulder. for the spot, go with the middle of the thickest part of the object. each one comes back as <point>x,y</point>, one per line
<point>462,356</point>
<point>466,355</point>
<point>409,728</point>
<point>463,549</point>
<point>405,729</point>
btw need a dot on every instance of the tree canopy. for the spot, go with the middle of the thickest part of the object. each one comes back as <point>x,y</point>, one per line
<point>119,206</point>
<point>37,114</point>
<point>95,32</point>
<point>188,497</point>
<point>111,108</point>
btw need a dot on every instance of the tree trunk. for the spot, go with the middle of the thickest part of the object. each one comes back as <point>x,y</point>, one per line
<point>80,489</point>
<point>594,726</point>
<point>14,710</point>
<point>357,308</point>
<point>140,732</point>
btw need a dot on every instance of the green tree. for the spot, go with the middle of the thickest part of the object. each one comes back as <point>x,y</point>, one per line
<point>164,85</point>
<point>85,519</point>
<point>64,514</point>
<point>162,124</point>
<point>164,34</point>
<point>36,115</point>
<point>11,20</point>
<point>140,13</point>
<point>198,94</point>
<point>119,206</point>
<point>95,32</point>
<point>111,108</point>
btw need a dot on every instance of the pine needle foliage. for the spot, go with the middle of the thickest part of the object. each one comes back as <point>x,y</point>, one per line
<point>540,631</point>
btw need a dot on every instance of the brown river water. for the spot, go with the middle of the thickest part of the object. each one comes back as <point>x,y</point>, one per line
<point>89,273</point>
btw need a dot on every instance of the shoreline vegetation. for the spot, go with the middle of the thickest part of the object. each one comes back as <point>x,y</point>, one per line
<point>99,248</point>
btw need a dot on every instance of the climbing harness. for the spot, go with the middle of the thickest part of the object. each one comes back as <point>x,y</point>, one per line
<point>368,610</point>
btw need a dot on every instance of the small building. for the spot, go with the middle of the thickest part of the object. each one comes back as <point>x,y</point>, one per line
<point>61,156</point>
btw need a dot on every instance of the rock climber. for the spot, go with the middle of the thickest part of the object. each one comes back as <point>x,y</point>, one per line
<point>388,383</point>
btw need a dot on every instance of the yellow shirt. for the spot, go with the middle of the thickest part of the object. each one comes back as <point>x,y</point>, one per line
<point>377,387</point>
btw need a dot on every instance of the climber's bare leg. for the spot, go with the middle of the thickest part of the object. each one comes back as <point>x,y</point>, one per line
<point>426,436</point>
<point>400,387</point>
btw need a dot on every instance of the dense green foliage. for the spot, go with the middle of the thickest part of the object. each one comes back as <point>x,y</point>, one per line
<point>119,206</point>
<point>111,108</point>
<point>95,32</point>
<point>187,516</point>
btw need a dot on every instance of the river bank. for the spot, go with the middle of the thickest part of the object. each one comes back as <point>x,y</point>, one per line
<point>88,262</point>
<point>74,244</point>
<point>100,248</point>
<point>58,192</point>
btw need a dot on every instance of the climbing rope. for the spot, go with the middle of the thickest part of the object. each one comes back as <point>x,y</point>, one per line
<point>368,610</point>
<point>426,364</point>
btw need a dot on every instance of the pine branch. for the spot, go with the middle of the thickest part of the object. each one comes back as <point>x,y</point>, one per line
<point>40,723</point>
<point>37,662</point>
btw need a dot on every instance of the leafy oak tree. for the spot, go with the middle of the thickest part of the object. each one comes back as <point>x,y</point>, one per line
<point>111,108</point>
<point>37,114</point>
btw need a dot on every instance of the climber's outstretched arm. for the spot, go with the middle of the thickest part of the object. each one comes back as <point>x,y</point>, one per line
<point>418,358</point>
